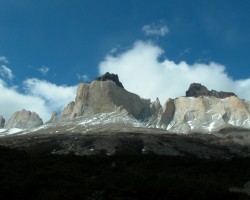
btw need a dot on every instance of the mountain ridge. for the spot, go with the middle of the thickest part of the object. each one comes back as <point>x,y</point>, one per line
<point>200,110</point>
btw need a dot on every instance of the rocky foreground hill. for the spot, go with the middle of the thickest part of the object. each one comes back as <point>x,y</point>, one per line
<point>106,117</point>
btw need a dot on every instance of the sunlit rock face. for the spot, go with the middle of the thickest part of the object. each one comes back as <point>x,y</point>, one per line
<point>205,114</point>
<point>105,96</point>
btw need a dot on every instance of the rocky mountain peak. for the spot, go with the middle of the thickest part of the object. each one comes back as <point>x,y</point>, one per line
<point>24,119</point>
<point>111,77</point>
<point>197,89</point>
<point>104,97</point>
<point>2,121</point>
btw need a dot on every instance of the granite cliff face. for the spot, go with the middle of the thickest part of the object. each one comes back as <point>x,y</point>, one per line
<point>105,96</point>
<point>24,120</point>
<point>205,114</point>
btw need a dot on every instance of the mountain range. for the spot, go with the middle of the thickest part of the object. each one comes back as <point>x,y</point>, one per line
<point>211,118</point>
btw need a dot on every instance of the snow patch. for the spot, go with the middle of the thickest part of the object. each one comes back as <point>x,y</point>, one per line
<point>40,127</point>
<point>191,124</point>
<point>211,126</point>
<point>246,123</point>
<point>111,118</point>
<point>4,132</point>
<point>171,125</point>
<point>231,121</point>
<point>235,122</point>
<point>216,117</point>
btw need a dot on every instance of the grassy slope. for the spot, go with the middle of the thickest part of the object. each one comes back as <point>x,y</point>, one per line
<point>43,176</point>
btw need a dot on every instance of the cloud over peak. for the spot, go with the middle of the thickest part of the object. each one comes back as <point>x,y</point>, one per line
<point>141,72</point>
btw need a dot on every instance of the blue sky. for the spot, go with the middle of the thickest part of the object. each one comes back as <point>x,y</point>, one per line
<point>61,43</point>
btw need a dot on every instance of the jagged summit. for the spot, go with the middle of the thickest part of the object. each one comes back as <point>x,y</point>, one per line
<point>197,89</point>
<point>24,119</point>
<point>111,77</point>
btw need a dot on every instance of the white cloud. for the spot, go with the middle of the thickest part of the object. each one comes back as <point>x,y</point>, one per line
<point>6,72</point>
<point>83,78</point>
<point>55,97</point>
<point>43,70</point>
<point>141,72</point>
<point>155,30</point>
<point>41,97</point>
<point>4,59</point>
<point>12,101</point>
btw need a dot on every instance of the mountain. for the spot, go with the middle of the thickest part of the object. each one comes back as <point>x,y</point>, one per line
<point>194,146</point>
<point>105,96</point>
<point>201,110</point>
<point>205,114</point>
<point>104,108</point>
<point>24,120</point>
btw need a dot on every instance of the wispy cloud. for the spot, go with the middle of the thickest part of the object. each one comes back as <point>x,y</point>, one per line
<point>55,97</point>
<point>155,29</point>
<point>43,70</point>
<point>82,77</point>
<point>141,72</point>
<point>6,72</point>
<point>4,59</point>
<point>185,51</point>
